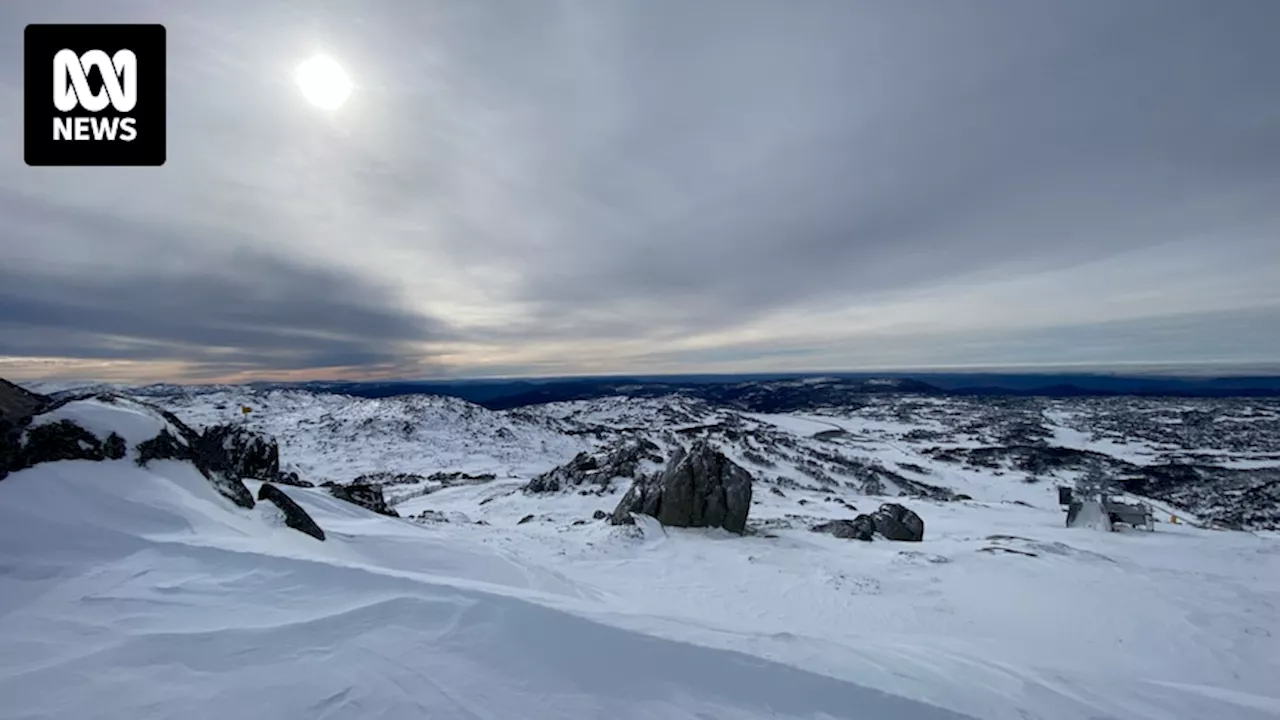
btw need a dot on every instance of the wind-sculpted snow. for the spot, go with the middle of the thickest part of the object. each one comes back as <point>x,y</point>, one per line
<point>143,594</point>
<point>1052,623</point>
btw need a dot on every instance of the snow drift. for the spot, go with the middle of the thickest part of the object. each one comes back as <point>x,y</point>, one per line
<point>143,592</point>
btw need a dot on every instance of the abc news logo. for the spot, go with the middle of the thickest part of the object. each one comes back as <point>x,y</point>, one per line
<point>108,101</point>
<point>71,90</point>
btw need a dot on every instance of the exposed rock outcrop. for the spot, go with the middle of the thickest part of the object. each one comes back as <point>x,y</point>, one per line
<point>294,516</point>
<point>62,440</point>
<point>366,496</point>
<point>236,451</point>
<point>383,478</point>
<point>863,527</point>
<point>25,443</point>
<point>18,404</point>
<point>427,484</point>
<point>168,446</point>
<point>630,460</point>
<point>438,516</point>
<point>896,522</point>
<point>224,455</point>
<point>699,488</point>
<point>290,477</point>
<point>164,446</point>
<point>457,476</point>
<point>114,447</point>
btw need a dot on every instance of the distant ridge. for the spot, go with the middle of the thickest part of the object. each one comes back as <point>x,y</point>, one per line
<point>777,393</point>
<point>504,394</point>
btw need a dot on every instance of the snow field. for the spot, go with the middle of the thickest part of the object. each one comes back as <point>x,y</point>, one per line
<point>141,593</point>
<point>1094,626</point>
<point>129,592</point>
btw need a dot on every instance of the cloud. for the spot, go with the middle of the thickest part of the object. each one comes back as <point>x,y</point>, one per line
<point>125,294</point>
<point>606,186</point>
<point>252,309</point>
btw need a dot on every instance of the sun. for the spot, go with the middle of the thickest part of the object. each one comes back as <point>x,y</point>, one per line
<point>323,82</point>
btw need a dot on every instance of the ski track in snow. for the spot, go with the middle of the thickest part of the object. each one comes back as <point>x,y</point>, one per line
<point>129,592</point>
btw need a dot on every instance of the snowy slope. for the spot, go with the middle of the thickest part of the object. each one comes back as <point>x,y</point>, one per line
<point>128,592</point>
<point>1178,623</point>
<point>136,593</point>
<point>337,437</point>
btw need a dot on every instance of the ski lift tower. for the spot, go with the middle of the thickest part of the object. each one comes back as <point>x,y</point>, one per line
<point>1086,502</point>
<point>1093,503</point>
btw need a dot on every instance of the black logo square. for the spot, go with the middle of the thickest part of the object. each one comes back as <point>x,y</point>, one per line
<point>94,94</point>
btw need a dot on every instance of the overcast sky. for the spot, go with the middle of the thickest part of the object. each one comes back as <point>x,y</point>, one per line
<point>563,186</point>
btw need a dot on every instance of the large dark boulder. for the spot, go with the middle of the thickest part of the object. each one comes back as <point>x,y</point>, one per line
<point>896,522</point>
<point>236,451</point>
<point>699,488</point>
<point>366,496</point>
<point>862,527</point>
<point>294,516</point>
<point>627,460</point>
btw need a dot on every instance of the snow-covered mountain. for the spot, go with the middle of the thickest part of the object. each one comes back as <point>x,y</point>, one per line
<point>337,438</point>
<point>1219,458</point>
<point>504,590</point>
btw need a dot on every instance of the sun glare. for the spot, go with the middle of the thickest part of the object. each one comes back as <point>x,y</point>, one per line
<point>323,82</point>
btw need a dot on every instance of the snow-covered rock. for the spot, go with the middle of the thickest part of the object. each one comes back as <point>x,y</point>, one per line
<point>104,414</point>
<point>366,496</point>
<point>294,516</point>
<point>629,460</point>
<point>111,427</point>
<point>862,527</point>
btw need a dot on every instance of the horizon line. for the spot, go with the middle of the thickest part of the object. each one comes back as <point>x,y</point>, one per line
<point>1202,370</point>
